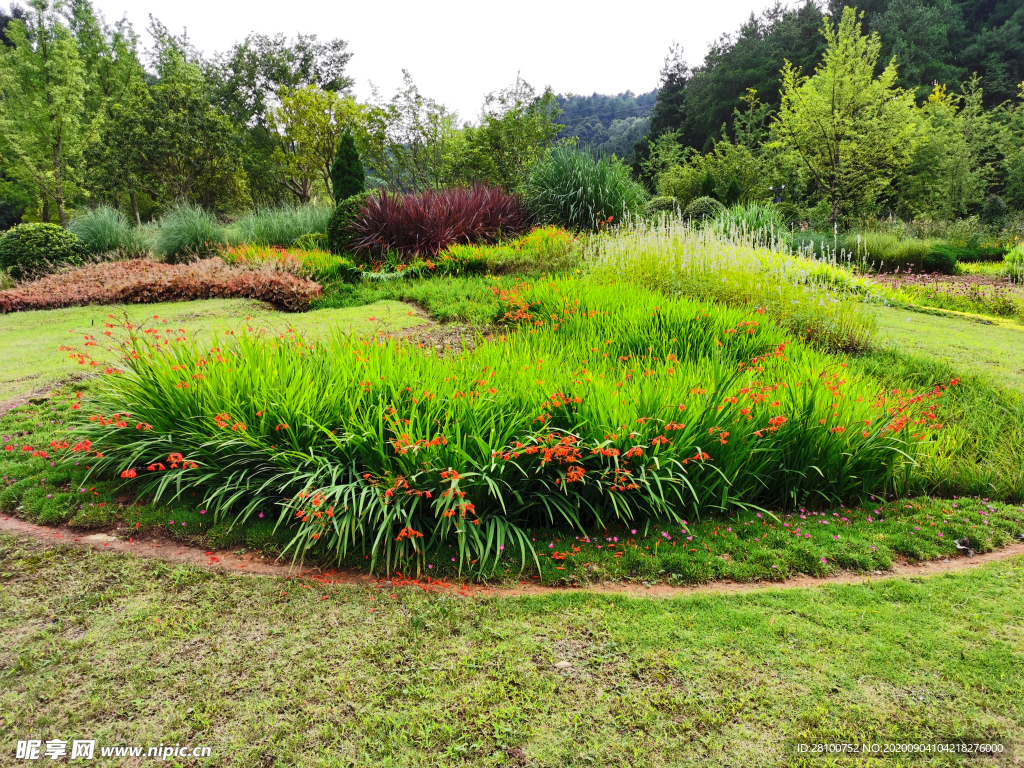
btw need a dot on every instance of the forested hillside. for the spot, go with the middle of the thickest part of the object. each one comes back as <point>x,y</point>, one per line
<point>941,42</point>
<point>607,124</point>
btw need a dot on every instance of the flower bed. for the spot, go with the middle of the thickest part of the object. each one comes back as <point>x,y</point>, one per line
<point>610,403</point>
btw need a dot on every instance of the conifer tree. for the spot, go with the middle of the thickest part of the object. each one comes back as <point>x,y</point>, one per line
<point>348,177</point>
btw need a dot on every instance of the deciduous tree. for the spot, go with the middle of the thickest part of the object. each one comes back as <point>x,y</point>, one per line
<point>851,130</point>
<point>42,88</point>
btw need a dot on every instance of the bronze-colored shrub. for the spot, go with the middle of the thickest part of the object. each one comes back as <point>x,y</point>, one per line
<point>143,282</point>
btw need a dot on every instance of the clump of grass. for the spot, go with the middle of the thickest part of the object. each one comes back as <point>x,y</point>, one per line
<point>759,222</point>
<point>978,451</point>
<point>187,232</point>
<point>888,252</point>
<point>745,546</point>
<point>574,190</point>
<point>105,230</point>
<point>284,225</point>
<point>618,404</point>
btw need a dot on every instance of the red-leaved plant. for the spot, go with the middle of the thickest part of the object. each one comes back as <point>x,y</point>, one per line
<point>424,225</point>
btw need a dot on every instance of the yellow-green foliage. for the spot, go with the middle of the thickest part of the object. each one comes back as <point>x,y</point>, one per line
<point>545,249</point>
<point>316,263</point>
<point>812,299</point>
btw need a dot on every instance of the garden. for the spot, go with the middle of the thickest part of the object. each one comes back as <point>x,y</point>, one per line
<point>511,418</point>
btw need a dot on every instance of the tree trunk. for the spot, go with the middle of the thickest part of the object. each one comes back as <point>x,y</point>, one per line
<point>46,211</point>
<point>135,208</point>
<point>58,169</point>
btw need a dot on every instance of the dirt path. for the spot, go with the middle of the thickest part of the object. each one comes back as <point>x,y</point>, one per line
<point>227,561</point>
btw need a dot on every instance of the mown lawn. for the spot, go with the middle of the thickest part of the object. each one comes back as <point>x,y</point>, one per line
<point>30,341</point>
<point>995,349</point>
<point>268,672</point>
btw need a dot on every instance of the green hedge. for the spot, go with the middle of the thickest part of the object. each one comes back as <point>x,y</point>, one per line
<point>30,250</point>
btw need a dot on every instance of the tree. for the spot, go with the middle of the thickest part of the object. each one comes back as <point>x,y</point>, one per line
<point>708,185</point>
<point>517,128</point>
<point>408,140</point>
<point>170,142</point>
<point>667,114</point>
<point>953,160</point>
<point>733,192</point>
<point>749,58</point>
<point>17,12</point>
<point>696,175</point>
<point>309,125</point>
<point>247,79</point>
<point>348,177</point>
<point>851,131</point>
<point>42,87</point>
<point>109,57</point>
<point>1013,151</point>
<point>245,82</point>
<point>112,70</point>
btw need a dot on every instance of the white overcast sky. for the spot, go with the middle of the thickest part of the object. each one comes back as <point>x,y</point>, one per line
<point>458,50</point>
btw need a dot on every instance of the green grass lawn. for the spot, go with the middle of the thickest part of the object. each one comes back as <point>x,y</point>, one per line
<point>269,672</point>
<point>995,349</point>
<point>30,341</point>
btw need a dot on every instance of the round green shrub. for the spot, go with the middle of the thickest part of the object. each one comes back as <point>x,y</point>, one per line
<point>311,241</point>
<point>703,208</point>
<point>661,204</point>
<point>339,235</point>
<point>29,250</point>
<point>941,258</point>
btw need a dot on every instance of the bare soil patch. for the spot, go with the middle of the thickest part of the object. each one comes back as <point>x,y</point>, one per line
<point>150,545</point>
